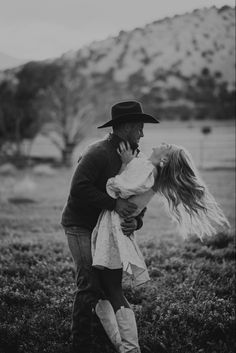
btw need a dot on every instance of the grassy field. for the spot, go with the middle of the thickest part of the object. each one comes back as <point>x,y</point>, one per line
<point>189,302</point>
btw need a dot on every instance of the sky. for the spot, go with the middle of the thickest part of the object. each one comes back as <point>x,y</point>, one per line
<point>41,29</point>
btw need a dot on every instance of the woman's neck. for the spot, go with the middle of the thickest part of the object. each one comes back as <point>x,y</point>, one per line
<point>152,161</point>
<point>154,171</point>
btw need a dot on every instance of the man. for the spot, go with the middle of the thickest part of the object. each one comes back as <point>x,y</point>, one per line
<point>87,198</point>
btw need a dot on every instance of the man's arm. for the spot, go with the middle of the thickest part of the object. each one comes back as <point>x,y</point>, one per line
<point>129,225</point>
<point>139,218</point>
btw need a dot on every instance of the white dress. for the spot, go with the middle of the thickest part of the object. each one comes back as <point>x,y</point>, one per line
<point>110,247</point>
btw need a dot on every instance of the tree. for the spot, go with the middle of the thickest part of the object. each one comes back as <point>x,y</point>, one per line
<point>19,118</point>
<point>17,121</point>
<point>66,105</point>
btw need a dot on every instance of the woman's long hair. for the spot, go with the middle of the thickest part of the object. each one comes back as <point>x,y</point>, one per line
<point>189,199</point>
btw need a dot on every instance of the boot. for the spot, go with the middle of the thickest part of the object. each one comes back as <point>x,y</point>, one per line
<point>107,316</point>
<point>128,330</point>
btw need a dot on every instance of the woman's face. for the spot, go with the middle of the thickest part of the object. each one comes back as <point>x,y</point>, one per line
<point>161,153</point>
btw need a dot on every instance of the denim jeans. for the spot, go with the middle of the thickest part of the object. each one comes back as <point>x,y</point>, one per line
<point>88,288</point>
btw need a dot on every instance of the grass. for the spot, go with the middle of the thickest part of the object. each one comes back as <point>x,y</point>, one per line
<point>188,304</point>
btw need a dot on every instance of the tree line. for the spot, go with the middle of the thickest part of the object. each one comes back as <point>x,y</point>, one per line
<point>57,101</point>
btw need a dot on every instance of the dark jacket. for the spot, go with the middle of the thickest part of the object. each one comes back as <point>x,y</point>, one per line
<point>88,196</point>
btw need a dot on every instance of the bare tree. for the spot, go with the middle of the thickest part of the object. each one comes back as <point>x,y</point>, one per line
<point>68,110</point>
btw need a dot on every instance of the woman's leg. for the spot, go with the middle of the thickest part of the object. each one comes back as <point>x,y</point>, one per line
<point>105,308</point>
<point>111,281</point>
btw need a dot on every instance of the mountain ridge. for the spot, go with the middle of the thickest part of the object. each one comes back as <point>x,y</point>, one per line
<point>117,52</point>
<point>181,66</point>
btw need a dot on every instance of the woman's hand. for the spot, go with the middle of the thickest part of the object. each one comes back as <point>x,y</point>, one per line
<point>126,153</point>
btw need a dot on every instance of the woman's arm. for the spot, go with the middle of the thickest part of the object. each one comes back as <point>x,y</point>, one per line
<point>142,200</point>
<point>126,154</point>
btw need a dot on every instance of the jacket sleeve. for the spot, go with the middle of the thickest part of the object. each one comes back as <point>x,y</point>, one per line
<point>83,186</point>
<point>139,218</point>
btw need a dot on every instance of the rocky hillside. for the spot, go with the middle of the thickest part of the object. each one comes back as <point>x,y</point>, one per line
<point>182,67</point>
<point>182,45</point>
<point>170,61</point>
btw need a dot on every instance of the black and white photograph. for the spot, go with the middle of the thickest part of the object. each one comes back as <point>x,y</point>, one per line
<point>117,176</point>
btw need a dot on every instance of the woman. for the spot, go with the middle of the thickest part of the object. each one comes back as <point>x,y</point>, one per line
<point>170,172</point>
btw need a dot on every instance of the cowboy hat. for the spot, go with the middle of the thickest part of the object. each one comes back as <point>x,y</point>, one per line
<point>130,111</point>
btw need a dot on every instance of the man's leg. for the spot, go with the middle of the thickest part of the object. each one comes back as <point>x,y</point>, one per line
<point>88,288</point>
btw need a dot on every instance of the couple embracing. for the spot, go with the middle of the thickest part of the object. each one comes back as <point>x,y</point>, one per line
<point>111,186</point>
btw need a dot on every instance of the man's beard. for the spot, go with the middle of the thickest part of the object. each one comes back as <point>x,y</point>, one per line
<point>134,145</point>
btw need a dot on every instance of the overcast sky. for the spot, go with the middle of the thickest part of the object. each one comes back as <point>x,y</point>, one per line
<point>40,29</point>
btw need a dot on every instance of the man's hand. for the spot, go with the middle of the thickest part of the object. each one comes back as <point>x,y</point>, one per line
<point>125,208</point>
<point>129,225</point>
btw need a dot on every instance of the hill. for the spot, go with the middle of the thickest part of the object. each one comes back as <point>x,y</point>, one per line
<point>177,61</point>
<point>184,45</point>
<point>181,67</point>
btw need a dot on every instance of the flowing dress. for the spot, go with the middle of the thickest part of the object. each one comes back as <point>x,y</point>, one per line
<point>110,247</point>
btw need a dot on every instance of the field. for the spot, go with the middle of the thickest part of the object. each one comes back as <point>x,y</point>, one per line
<point>189,302</point>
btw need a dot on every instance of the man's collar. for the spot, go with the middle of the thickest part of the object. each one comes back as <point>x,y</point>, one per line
<point>116,140</point>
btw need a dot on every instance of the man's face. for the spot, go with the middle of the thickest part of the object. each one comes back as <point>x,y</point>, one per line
<point>134,132</point>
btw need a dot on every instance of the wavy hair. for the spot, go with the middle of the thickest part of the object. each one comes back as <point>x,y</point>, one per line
<point>189,200</point>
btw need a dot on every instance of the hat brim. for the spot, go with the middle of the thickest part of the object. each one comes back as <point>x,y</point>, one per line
<point>127,118</point>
